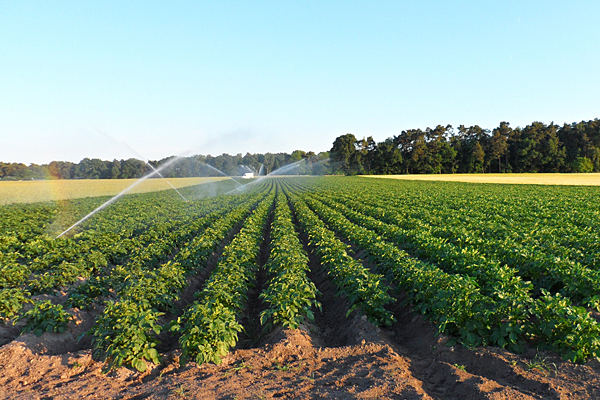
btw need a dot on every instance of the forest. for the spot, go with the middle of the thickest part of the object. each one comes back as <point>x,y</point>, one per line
<point>537,147</point>
<point>444,150</point>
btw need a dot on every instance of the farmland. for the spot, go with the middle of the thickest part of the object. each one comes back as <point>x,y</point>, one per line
<point>53,190</point>
<point>588,179</point>
<point>305,287</point>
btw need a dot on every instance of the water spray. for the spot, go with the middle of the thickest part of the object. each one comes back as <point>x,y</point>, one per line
<point>145,160</point>
<point>174,188</point>
<point>112,200</point>
<point>221,172</point>
<point>154,169</point>
<point>284,168</point>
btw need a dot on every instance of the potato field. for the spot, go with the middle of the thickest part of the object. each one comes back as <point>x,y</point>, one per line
<point>305,287</point>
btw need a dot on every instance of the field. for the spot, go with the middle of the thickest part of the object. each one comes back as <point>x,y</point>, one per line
<point>592,179</point>
<point>331,287</point>
<point>52,190</point>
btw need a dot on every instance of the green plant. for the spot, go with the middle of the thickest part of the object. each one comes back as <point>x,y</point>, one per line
<point>290,295</point>
<point>12,274</point>
<point>567,329</point>
<point>208,331</point>
<point>284,367</point>
<point>11,302</point>
<point>209,326</point>
<point>594,302</point>
<point>181,391</point>
<point>84,295</point>
<point>124,334</point>
<point>238,367</point>
<point>46,317</point>
<point>541,364</point>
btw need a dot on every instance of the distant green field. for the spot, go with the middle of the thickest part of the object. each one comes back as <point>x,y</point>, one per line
<point>34,191</point>
<point>535,179</point>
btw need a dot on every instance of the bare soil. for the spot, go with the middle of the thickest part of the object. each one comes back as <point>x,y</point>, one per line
<point>404,362</point>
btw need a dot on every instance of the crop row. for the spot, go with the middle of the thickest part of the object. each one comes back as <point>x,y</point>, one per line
<point>209,327</point>
<point>125,333</point>
<point>93,263</point>
<point>290,295</point>
<point>364,290</point>
<point>539,264</point>
<point>477,319</point>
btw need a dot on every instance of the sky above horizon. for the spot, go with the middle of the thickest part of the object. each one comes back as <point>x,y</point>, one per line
<point>152,79</point>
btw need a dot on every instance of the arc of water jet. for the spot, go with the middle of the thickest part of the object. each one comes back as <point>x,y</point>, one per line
<point>260,178</point>
<point>145,160</point>
<point>288,166</point>
<point>247,184</point>
<point>152,166</point>
<point>319,163</point>
<point>174,188</point>
<point>112,200</point>
<point>221,172</point>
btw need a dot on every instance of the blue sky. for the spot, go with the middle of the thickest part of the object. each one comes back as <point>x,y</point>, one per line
<point>79,78</point>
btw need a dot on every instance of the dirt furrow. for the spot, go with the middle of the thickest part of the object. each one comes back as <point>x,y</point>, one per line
<point>458,372</point>
<point>253,331</point>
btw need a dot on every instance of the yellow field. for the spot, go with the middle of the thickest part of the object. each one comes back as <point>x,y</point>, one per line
<point>34,191</point>
<point>529,179</point>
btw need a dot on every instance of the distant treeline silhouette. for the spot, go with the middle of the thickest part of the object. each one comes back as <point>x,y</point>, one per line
<point>186,167</point>
<point>442,150</point>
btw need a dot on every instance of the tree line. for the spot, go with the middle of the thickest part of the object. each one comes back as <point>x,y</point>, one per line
<point>444,150</point>
<point>197,165</point>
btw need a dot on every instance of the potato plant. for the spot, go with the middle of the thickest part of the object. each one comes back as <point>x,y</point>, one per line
<point>290,295</point>
<point>502,265</point>
<point>363,289</point>
<point>46,317</point>
<point>209,327</point>
<point>125,334</point>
